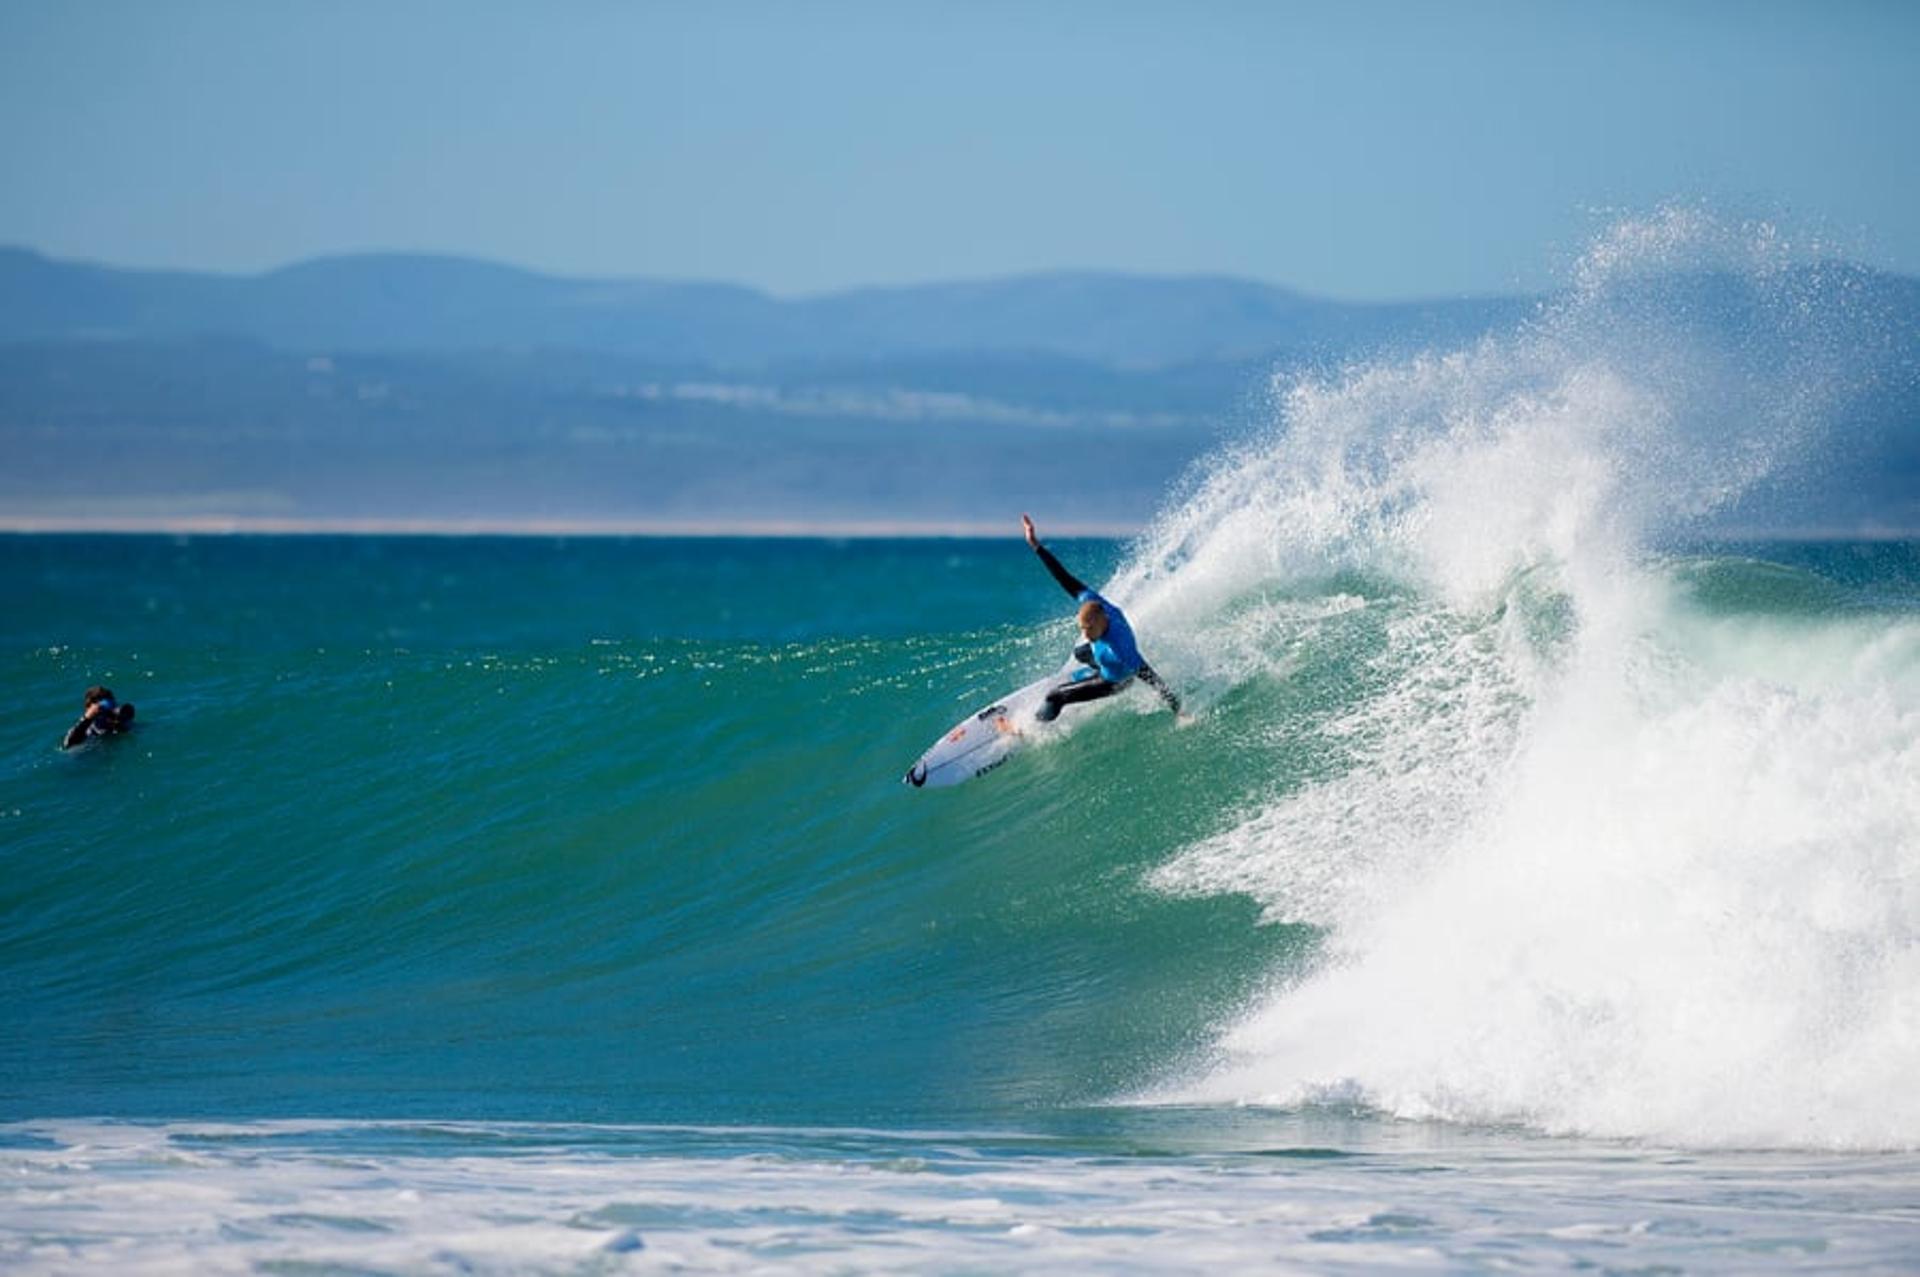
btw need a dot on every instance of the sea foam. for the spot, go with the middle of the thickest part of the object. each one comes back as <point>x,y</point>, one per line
<point>1597,858</point>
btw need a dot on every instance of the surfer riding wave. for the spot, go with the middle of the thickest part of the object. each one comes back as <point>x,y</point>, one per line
<point>1109,655</point>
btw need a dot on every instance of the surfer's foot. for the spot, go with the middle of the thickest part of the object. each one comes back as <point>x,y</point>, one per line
<point>1047,712</point>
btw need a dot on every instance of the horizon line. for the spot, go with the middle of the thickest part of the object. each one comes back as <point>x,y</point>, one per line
<point>742,529</point>
<point>721,529</point>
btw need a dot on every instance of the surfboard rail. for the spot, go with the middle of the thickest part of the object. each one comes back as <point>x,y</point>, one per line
<point>986,738</point>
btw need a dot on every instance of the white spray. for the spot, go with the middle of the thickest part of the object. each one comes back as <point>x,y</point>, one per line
<point>1656,875</point>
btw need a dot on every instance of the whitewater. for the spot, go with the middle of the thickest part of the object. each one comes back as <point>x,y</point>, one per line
<point>1539,887</point>
<point>1660,810</point>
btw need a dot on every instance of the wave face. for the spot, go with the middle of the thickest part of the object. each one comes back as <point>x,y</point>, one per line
<point>1512,799</point>
<point>1620,839</point>
<point>600,830</point>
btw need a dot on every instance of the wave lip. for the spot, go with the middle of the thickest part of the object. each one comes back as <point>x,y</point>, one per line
<point>1615,847</point>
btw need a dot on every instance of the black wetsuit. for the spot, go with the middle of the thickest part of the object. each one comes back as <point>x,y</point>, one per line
<point>110,719</point>
<point>1099,687</point>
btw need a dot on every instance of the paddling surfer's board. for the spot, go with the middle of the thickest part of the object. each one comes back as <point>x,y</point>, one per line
<point>988,737</point>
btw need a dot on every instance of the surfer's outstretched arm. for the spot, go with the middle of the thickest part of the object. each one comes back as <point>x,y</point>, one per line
<point>1072,584</point>
<point>1167,694</point>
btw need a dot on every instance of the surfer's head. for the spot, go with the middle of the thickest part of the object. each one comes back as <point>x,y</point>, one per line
<point>1093,619</point>
<point>97,694</point>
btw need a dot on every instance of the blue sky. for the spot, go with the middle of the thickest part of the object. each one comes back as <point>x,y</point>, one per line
<point>1362,150</point>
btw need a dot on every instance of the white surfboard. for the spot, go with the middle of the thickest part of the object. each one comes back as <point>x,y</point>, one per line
<point>986,738</point>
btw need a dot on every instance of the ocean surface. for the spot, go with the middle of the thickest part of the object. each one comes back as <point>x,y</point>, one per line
<point>1538,887</point>
<point>518,904</point>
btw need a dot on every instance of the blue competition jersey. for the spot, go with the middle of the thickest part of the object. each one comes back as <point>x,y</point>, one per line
<point>1115,652</point>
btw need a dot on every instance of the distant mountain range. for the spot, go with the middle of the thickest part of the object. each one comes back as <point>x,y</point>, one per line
<point>393,303</point>
<point>436,389</point>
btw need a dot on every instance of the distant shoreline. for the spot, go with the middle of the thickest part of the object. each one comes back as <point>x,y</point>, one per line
<point>795,529</point>
<point>720,529</point>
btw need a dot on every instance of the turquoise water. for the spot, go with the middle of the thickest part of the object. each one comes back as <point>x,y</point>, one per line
<point>548,905</point>
<point>578,830</point>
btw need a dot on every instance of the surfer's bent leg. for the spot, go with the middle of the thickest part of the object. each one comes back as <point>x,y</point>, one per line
<point>1087,689</point>
<point>1167,694</point>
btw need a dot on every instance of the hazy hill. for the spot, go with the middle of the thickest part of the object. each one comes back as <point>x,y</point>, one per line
<point>390,302</point>
<point>407,387</point>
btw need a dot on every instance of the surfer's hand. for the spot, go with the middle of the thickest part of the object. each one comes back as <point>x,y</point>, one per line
<point>1026,526</point>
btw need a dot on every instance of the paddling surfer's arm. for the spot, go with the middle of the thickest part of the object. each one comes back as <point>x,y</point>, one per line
<point>1072,584</point>
<point>77,734</point>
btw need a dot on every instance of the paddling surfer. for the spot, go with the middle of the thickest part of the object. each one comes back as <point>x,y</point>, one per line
<point>100,715</point>
<point>1109,654</point>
